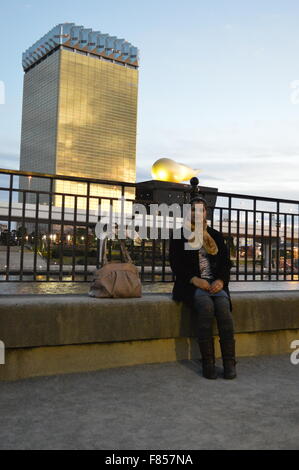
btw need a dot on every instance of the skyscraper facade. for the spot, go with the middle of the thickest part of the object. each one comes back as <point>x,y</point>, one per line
<point>79,110</point>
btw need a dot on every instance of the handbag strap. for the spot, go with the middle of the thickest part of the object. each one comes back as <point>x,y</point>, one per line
<point>125,254</point>
<point>103,253</point>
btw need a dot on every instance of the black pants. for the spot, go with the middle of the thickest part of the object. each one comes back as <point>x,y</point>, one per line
<point>206,307</point>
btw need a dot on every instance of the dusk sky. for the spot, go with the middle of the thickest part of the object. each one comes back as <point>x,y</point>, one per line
<point>215,83</point>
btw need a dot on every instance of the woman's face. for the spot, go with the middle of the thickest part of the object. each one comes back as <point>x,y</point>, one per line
<point>198,207</point>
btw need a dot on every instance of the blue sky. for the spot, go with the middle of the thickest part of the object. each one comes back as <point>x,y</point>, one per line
<point>214,83</point>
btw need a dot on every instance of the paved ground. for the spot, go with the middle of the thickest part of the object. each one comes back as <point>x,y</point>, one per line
<point>15,259</point>
<point>169,406</point>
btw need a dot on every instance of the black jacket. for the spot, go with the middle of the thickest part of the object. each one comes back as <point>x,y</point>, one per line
<point>185,265</point>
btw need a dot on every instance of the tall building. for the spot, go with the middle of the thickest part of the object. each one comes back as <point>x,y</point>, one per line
<point>79,110</point>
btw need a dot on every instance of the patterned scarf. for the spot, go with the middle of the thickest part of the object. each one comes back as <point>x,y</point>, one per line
<point>207,242</point>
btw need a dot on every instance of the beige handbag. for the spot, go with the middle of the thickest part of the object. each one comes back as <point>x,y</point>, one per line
<point>116,280</point>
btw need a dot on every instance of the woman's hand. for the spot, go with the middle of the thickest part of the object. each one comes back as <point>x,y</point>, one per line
<point>201,283</point>
<point>216,286</point>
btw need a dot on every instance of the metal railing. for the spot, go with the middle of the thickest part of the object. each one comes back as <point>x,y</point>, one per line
<point>47,225</point>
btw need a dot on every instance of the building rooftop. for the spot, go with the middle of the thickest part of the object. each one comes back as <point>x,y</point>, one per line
<point>81,39</point>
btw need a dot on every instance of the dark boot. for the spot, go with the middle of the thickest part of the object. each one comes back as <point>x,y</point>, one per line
<point>208,358</point>
<point>228,358</point>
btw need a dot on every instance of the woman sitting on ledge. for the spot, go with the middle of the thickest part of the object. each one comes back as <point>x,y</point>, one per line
<point>202,279</point>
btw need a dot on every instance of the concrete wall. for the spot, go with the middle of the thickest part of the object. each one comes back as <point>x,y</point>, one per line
<point>46,334</point>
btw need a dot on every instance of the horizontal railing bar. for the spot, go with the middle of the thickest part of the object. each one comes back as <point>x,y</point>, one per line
<point>134,185</point>
<point>66,178</point>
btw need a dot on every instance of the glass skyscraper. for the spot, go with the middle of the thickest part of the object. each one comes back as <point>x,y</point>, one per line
<point>79,110</point>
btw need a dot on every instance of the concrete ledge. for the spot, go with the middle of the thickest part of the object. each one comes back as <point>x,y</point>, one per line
<point>46,335</point>
<point>31,321</point>
<point>55,360</point>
